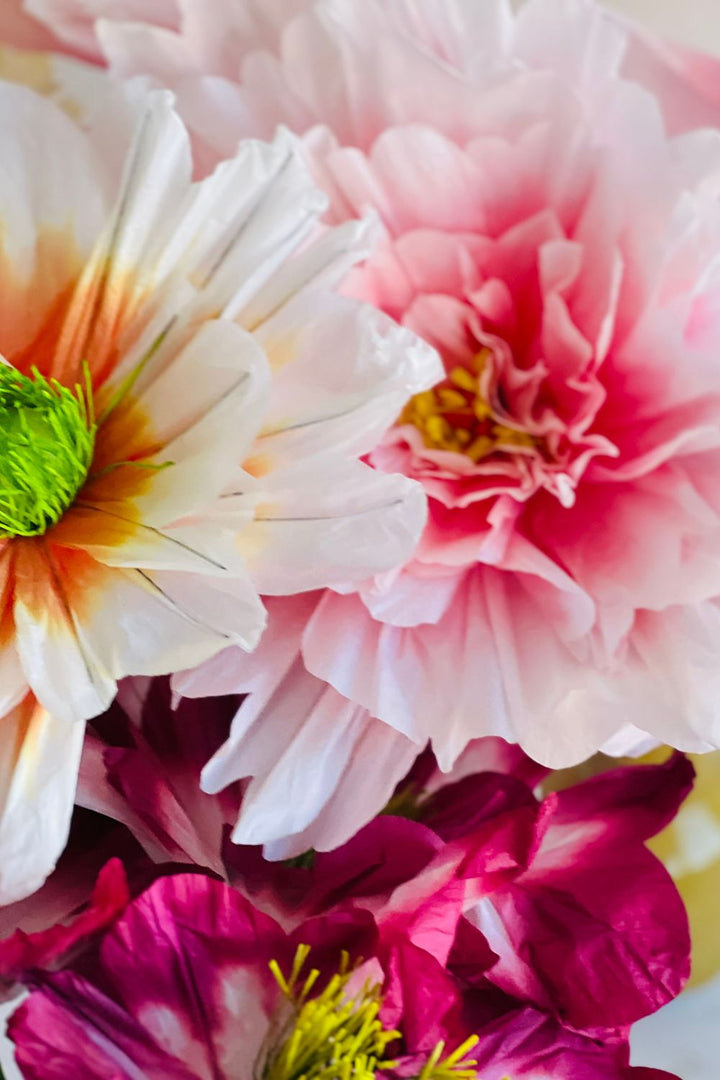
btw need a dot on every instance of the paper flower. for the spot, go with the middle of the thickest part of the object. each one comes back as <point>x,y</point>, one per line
<point>474,868</point>
<point>153,475</point>
<point>335,993</point>
<point>558,247</point>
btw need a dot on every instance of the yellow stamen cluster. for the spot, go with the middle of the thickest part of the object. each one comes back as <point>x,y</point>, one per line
<point>455,1066</point>
<point>455,415</point>
<point>331,1036</point>
<point>336,1037</point>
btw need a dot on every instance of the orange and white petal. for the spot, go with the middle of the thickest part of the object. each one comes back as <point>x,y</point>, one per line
<point>112,535</point>
<point>54,592</point>
<point>81,626</point>
<point>330,522</point>
<point>13,684</point>
<point>51,210</point>
<point>39,762</point>
<point>214,392</point>
<point>174,253</point>
<point>156,622</point>
<point>201,415</point>
<point>117,280</point>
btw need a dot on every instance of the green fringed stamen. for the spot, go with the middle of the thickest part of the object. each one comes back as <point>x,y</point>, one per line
<point>47,440</point>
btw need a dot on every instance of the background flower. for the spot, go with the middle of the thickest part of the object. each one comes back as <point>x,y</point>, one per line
<point>474,867</point>
<point>131,1000</point>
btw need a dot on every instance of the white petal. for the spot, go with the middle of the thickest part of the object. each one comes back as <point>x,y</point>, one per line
<point>52,210</point>
<point>330,523</point>
<point>153,623</point>
<point>307,747</point>
<point>39,760</point>
<point>379,760</point>
<point>210,399</point>
<point>367,367</point>
<point>60,664</point>
<point>230,608</point>
<point>236,672</point>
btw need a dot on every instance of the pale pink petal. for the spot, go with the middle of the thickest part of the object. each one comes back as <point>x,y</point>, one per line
<point>21,30</point>
<point>357,761</point>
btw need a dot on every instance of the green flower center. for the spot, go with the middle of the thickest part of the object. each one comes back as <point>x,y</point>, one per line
<point>47,439</point>
<point>335,1036</point>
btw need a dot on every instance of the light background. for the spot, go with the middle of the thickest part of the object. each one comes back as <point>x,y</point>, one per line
<point>685,1036</point>
<point>692,22</point>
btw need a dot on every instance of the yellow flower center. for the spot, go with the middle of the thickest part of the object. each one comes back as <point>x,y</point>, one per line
<point>337,1036</point>
<point>456,415</point>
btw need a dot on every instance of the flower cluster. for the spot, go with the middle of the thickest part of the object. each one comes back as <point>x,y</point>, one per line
<point>359,435</point>
<point>427,946</point>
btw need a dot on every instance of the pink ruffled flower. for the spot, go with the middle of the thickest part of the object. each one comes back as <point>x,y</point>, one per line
<point>545,233</point>
<point>130,1005</point>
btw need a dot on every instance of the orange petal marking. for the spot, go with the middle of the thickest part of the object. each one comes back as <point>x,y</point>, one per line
<point>24,735</point>
<point>57,585</point>
<point>82,526</point>
<point>33,309</point>
<point>7,623</point>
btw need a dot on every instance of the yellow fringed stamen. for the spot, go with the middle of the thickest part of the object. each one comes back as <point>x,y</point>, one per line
<point>331,1036</point>
<point>334,1036</point>
<point>456,1066</point>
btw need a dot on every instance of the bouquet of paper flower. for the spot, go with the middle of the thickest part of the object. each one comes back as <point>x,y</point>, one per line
<point>359,466</point>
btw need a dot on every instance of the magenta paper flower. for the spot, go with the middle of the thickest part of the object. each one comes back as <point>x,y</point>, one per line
<point>555,904</point>
<point>544,231</point>
<point>192,981</point>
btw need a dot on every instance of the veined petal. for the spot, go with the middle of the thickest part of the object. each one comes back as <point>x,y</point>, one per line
<point>114,536</point>
<point>198,251</point>
<point>230,608</point>
<point>54,589</point>
<point>147,622</point>
<point>205,411</point>
<point>39,761</point>
<point>330,524</point>
<point>366,365</point>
